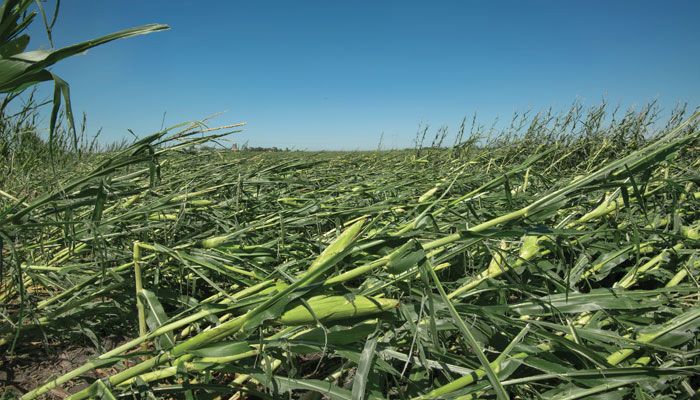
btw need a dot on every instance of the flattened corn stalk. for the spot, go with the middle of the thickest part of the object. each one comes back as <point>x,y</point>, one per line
<point>247,244</point>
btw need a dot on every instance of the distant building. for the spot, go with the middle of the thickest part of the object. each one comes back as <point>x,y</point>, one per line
<point>234,147</point>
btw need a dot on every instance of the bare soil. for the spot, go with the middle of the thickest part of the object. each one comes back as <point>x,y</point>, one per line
<point>19,375</point>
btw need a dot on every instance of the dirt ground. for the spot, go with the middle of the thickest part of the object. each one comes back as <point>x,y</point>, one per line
<point>19,375</point>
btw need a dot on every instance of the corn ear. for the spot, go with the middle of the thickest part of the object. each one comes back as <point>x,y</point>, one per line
<point>427,195</point>
<point>611,203</point>
<point>332,308</point>
<point>338,247</point>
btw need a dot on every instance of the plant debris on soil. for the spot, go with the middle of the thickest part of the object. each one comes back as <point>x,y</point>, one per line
<point>20,373</point>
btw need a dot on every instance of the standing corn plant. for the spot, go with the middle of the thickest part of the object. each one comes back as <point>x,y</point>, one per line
<point>20,69</point>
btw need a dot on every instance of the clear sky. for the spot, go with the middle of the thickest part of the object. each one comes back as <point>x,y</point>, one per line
<point>335,74</point>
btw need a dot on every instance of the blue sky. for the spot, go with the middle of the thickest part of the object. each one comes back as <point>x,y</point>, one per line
<point>334,75</point>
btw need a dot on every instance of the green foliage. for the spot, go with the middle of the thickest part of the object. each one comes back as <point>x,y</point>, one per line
<point>20,69</point>
<point>575,278</point>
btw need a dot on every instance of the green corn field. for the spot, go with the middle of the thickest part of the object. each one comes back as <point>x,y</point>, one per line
<point>556,258</point>
<point>558,262</point>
